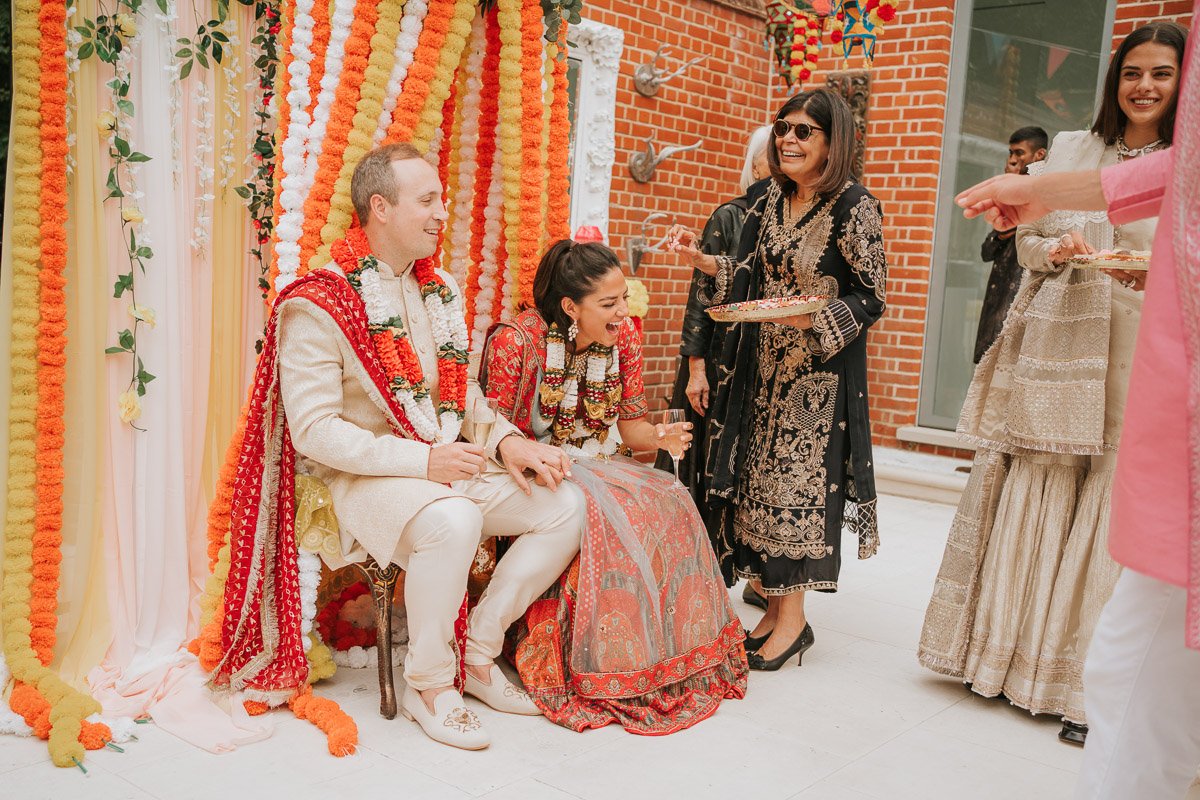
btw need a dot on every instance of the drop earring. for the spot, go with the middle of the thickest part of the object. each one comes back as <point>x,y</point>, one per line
<point>573,331</point>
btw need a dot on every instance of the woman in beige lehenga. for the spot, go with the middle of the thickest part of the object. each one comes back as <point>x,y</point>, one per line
<point>1026,571</point>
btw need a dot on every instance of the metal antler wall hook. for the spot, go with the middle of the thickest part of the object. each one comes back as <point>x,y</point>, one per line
<point>648,78</point>
<point>638,246</point>
<point>642,164</point>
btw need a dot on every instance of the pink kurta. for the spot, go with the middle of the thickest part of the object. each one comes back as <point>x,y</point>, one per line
<point>1148,529</point>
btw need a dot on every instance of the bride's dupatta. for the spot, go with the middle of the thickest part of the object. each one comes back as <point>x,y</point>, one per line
<point>639,630</point>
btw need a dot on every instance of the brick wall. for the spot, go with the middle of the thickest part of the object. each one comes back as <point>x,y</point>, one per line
<point>720,101</point>
<point>727,96</point>
<point>1132,14</point>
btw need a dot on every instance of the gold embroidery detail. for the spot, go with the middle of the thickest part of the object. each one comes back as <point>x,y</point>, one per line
<point>861,244</point>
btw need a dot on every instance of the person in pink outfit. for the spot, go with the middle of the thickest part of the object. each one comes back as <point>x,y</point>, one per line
<point>1142,678</point>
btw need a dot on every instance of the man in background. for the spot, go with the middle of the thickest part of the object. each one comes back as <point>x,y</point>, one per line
<point>1025,146</point>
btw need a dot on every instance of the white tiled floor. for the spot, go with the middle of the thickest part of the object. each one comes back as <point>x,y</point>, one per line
<point>859,720</point>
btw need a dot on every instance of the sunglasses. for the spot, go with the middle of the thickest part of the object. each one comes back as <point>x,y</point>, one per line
<point>803,129</point>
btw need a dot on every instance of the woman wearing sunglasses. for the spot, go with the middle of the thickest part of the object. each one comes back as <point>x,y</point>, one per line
<point>788,459</point>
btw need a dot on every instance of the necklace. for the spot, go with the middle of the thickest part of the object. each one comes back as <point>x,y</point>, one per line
<point>559,395</point>
<point>394,347</point>
<point>1125,152</point>
<point>791,216</point>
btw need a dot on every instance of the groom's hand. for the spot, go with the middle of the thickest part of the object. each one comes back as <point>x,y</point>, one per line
<point>454,462</point>
<point>548,463</point>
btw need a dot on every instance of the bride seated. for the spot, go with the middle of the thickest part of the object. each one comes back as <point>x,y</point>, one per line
<point>639,630</point>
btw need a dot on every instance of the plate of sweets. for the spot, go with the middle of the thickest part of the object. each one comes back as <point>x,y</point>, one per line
<point>1112,259</point>
<point>769,308</point>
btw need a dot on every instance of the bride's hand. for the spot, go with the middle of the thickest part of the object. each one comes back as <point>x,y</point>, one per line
<point>663,430</point>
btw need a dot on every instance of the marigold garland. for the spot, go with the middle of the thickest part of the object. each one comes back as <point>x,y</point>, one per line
<point>337,131</point>
<point>51,340</point>
<point>445,151</point>
<point>403,368</point>
<point>417,83</point>
<point>485,154</point>
<point>322,32</point>
<point>532,165</point>
<point>510,143</point>
<point>449,56</point>
<point>360,137</point>
<point>281,132</point>
<point>339,728</point>
<point>465,168</point>
<point>558,221</point>
<point>29,583</point>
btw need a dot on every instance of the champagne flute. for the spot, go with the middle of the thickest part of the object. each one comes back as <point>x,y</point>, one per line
<point>673,440</point>
<point>483,419</point>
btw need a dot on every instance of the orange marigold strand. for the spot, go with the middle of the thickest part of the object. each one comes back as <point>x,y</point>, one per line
<point>531,148</point>
<point>51,337</point>
<point>320,47</point>
<point>416,86</point>
<point>337,131</point>
<point>328,716</point>
<point>559,219</point>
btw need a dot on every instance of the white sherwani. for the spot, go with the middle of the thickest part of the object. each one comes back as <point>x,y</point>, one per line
<point>388,509</point>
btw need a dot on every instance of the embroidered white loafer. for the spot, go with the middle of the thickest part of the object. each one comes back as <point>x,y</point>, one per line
<point>450,723</point>
<point>501,694</point>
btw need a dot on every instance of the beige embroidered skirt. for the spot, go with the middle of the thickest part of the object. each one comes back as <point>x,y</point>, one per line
<point>1026,569</point>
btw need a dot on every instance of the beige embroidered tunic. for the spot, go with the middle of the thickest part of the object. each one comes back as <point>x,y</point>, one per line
<point>339,424</point>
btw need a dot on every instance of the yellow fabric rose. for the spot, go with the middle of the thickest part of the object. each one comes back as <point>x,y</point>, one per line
<point>639,298</point>
<point>106,122</point>
<point>129,405</point>
<point>126,26</point>
<point>144,314</point>
<point>132,214</point>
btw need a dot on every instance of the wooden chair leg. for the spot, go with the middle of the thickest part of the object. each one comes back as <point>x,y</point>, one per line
<point>382,580</point>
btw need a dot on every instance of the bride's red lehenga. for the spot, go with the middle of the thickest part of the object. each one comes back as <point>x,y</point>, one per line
<point>639,630</point>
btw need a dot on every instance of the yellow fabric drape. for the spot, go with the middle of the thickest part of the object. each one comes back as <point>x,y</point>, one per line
<point>83,619</point>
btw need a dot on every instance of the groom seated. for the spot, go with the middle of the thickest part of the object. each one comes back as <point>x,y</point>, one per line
<point>379,415</point>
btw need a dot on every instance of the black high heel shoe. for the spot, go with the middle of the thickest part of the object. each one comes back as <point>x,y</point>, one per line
<point>753,598</point>
<point>803,642</point>
<point>1073,733</point>
<point>752,643</point>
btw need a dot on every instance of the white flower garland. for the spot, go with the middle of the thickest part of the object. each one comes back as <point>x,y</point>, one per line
<point>406,49</point>
<point>309,565</point>
<point>335,55</point>
<point>201,160</point>
<point>446,320</point>
<point>123,729</point>
<point>74,40</point>
<point>232,67</point>
<point>166,24</point>
<point>491,279</point>
<point>295,144</point>
<point>458,253</point>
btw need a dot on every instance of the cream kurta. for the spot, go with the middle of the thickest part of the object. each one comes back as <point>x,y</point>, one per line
<point>339,426</point>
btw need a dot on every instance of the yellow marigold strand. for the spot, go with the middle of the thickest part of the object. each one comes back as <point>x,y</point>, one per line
<point>360,140</point>
<point>509,135</point>
<point>447,64</point>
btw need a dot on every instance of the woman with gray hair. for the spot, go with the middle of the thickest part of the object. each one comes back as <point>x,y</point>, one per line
<point>697,368</point>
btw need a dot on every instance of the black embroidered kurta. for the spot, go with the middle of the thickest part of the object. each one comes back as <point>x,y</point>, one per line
<point>789,458</point>
<point>1003,282</point>
<point>719,238</point>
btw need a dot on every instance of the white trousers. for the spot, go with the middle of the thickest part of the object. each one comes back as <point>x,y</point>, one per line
<point>1142,697</point>
<point>438,547</point>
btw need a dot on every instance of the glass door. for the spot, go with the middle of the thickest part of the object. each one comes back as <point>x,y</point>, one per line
<point>1014,63</point>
